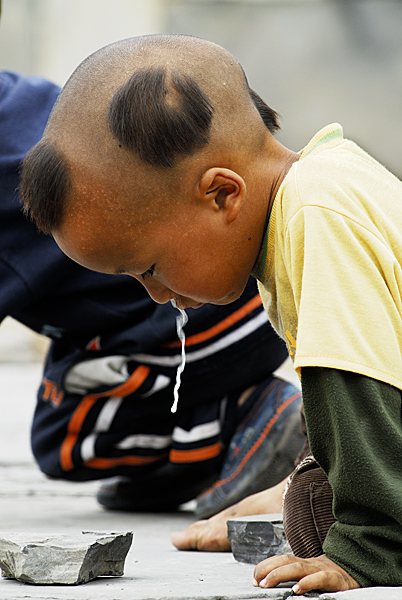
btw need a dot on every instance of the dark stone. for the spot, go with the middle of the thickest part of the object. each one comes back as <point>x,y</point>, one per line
<point>257,537</point>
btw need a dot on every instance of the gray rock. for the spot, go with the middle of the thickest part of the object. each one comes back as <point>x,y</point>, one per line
<point>42,559</point>
<point>257,537</point>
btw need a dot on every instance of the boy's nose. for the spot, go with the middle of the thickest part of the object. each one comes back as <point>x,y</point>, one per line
<point>158,292</point>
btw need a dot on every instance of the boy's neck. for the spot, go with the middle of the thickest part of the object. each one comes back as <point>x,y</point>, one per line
<point>279,160</point>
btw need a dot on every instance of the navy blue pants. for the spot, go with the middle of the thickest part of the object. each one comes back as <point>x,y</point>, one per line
<point>105,415</point>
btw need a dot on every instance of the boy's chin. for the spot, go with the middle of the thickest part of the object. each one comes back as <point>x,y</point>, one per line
<point>183,303</point>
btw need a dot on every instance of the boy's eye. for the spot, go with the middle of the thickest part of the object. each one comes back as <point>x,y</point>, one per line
<point>148,273</point>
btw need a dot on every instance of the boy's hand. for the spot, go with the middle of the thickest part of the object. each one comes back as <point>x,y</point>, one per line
<point>311,573</point>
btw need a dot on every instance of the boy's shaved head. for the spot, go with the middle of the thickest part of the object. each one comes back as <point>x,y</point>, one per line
<point>140,104</point>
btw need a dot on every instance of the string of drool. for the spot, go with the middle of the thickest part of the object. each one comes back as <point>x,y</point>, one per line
<point>181,320</point>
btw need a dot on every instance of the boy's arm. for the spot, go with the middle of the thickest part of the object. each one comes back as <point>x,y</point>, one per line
<point>355,434</point>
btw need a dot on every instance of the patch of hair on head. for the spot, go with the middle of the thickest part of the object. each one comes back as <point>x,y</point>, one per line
<point>160,116</point>
<point>45,186</point>
<point>129,112</point>
<point>267,114</point>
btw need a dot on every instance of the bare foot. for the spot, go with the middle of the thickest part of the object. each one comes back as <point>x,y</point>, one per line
<point>210,535</point>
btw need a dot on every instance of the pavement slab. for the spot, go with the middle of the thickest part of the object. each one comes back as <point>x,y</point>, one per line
<point>154,569</point>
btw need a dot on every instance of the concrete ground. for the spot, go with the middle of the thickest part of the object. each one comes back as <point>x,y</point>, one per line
<point>154,568</point>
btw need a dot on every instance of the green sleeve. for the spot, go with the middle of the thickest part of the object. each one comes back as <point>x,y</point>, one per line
<point>355,433</point>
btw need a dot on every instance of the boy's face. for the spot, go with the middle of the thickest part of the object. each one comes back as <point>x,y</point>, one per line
<point>186,252</point>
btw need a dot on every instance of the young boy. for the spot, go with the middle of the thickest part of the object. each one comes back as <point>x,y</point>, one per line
<point>95,418</point>
<point>161,140</point>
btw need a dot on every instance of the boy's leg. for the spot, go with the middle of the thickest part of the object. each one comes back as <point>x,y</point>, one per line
<point>110,415</point>
<point>192,462</point>
<point>263,447</point>
<point>124,429</point>
<point>261,431</point>
<point>164,459</point>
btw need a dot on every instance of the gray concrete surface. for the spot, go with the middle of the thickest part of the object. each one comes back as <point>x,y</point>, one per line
<point>154,568</point>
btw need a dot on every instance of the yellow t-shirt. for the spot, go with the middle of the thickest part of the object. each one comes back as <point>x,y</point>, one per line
<point>330,269</point>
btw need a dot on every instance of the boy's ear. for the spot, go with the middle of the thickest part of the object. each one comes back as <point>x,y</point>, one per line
<point>225,188</point>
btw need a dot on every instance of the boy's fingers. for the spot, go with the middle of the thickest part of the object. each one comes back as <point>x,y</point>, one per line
<point>287,572</point>
<point>265,567</point>
<point>312,574</point>
<point>328,581</point>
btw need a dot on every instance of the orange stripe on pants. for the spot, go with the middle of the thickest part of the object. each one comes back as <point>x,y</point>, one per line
<point>185,456</point>
<point>74,427</point>
<point>108,463</point>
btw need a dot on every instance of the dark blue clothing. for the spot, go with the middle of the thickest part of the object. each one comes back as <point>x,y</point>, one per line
<point>40,286</point>
<point>91,316</point>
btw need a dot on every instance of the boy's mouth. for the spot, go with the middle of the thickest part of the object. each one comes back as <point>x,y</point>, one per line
<point>177,303</point>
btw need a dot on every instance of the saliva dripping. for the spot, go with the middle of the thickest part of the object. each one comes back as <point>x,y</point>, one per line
<point>181,320</point>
